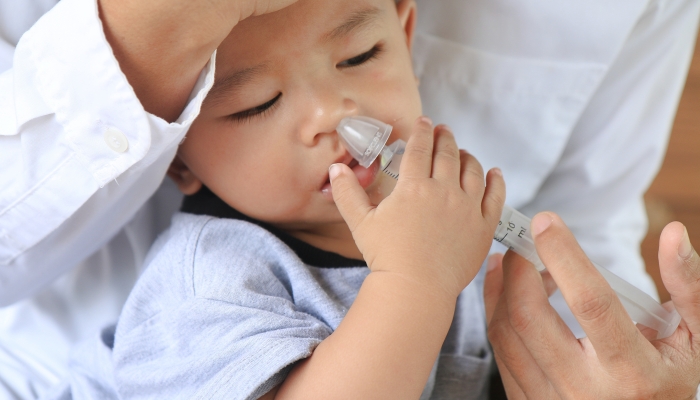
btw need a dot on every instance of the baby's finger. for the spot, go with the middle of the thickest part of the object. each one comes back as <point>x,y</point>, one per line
<point>418,158</point>
<point>351,200</point>
<point>446,156</point>
<point>494,197</point>
<point>472,176</point>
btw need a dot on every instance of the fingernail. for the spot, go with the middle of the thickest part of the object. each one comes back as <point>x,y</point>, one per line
<point>540,223</point>
<point>425,120</point>
<point>685,248</point>
<point>497,171</point>
<point>491,263</point>
<point>333,171</point>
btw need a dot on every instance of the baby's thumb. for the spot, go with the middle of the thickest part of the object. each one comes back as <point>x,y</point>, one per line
<point>351,200</point>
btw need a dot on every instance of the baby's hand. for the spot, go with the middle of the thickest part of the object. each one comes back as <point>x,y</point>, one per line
<point>436,227</point>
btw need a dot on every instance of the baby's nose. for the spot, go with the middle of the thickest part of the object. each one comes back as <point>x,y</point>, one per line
<point>326,116</point>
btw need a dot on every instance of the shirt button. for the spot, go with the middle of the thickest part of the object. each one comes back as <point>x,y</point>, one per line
<point>116,140</point>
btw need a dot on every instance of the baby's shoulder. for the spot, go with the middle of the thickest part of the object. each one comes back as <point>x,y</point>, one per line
<point>219,259</point>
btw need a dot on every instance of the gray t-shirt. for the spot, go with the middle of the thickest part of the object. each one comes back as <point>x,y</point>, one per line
<point>226,307</point>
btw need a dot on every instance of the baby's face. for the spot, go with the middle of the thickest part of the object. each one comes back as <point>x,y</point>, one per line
<point>266,134</point>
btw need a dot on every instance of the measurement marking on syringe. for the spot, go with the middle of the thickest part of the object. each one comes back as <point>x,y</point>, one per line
<point>395,176</point>
<point>499,240</point>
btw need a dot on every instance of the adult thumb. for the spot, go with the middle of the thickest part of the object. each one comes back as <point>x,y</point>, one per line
<point>680,271</point>
<point>351,200</point>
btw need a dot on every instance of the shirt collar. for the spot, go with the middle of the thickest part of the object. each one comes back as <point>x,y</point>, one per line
<point>205,202</point>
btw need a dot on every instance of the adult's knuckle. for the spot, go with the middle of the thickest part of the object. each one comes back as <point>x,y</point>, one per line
<point>522,317</point>
<point>592,304</point>
<point>692,266</point>
<point>498,331</point>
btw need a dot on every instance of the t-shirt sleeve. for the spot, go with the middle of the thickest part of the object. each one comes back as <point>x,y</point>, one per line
<point>212,349</point>
<point>214,316</point>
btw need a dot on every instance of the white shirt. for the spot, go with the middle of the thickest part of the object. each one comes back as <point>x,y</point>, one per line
<point>573,100</point>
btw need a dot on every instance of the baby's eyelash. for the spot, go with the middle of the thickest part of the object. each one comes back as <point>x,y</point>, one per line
<point>257,111</point>
<point>362,58</point>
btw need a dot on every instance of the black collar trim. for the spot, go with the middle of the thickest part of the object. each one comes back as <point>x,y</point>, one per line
<point>205,202</point>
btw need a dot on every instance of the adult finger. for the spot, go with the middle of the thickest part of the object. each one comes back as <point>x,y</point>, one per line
<point>446,159</point>
<point>493,284</point>
<point>249,8</point>
<point>519,371</point>
<point>513,390</point>
<point>493,290</point>
<point>680,271</point>
<point>494,196</point>
<point>418,158</point>
<point>351,200</point>
<point>591,300</point>
<point>550,342</point>
<point>549,285</point>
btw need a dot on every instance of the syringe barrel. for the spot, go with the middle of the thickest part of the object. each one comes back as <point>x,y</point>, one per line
<point>514,232</point>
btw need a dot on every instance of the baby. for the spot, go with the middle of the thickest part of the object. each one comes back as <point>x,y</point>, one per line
<point>260,288</point>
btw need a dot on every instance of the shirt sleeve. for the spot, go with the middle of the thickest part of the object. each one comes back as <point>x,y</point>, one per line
<point>214,316</point>
<point>78,153</point>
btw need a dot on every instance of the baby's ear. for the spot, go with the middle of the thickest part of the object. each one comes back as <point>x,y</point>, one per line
<point>183,177</point>
<point>406,9</point>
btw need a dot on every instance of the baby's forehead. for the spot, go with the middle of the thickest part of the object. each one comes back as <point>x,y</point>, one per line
<point>303,25</point>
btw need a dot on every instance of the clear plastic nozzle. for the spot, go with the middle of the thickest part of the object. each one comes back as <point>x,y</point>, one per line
<point>365,138</point>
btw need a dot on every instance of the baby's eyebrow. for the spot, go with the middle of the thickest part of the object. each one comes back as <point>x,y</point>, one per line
<point>233,81</point>
<point>356,20</point>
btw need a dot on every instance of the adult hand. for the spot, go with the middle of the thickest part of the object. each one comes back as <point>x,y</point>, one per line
<point>538,356</point>
<point>162,45</point>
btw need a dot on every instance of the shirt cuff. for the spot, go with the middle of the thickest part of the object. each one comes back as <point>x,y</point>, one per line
<point>73,71</point>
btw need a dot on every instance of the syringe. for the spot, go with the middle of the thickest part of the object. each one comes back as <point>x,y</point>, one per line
<point>365,139</point>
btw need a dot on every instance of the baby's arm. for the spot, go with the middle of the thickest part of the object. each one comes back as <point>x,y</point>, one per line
<point>423,244</point>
